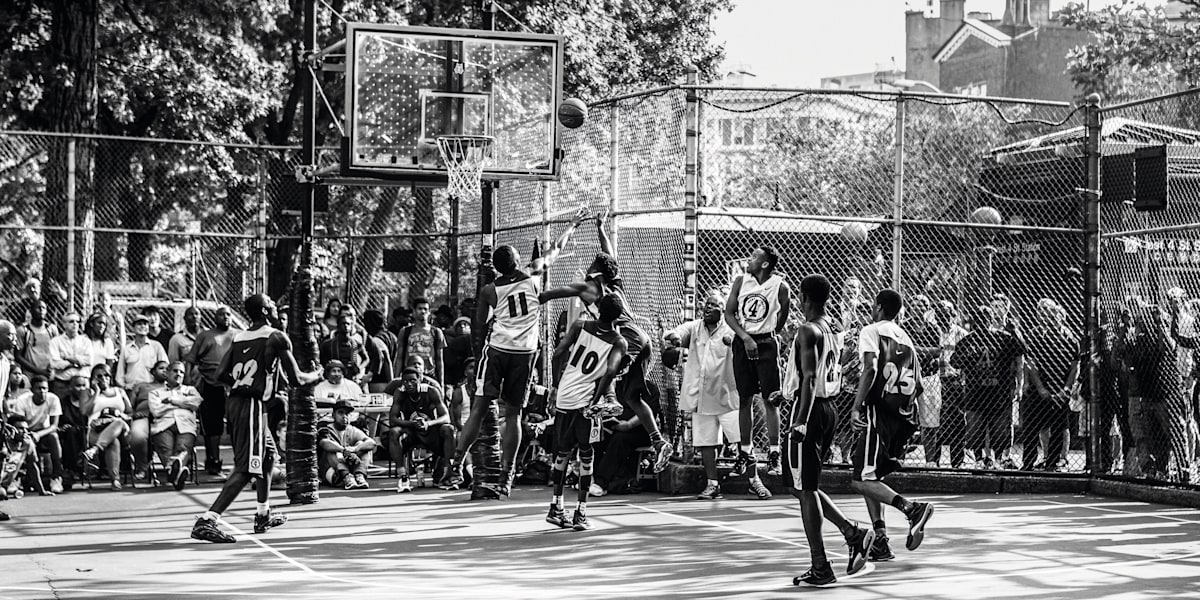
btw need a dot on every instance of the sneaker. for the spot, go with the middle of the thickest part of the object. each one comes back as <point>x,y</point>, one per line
<point>213,466</point>
<point>815,577</point>
<point>404,485</point>
<point>711,492</point>
<point>56,485</point>
<point>881,551</point>
<point>4,516</point>
<point>90,465</point>
<point>506,482</point>
<point>607,407</point>
<point>556,516</point>
<point>206,530</point>
<point>758,489</point>
<point>916,524</point>
<point>743,462</point>
<point>115,485</point>
<point>580,521</point>
<point>860,544</point>
<point>662,454</point>
<point>596,490</point>
<point>360,481</point>
<point>1008,465</point>
<point>181,477</point>
<point>140,474</point>
<point>774,463</point>
<point>453,479</point>
<point>268,521</point>
<point>176,467</point>
<point>348,482</point>
<point>485,491</point>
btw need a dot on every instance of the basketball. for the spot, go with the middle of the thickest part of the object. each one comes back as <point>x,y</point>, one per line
<point>572,113</point>
<point>855,231</point>
<point>986,215</point>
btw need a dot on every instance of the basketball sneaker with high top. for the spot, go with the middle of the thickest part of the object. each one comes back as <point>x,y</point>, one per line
<point>759,490</point>
<point>270,520</point>
<point>580,521</point>
<point>711,492</point>
<point>774,463</point>
<point>814,576</point>
<point>556,516</point>
<point>859,543</point>
<point>917,518</point>
<point>881,551</point>
<point>206,530</point>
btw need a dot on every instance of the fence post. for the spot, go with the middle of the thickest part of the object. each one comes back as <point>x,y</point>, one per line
<point>1091,292</point>
<point>71,224</point>
<point>260,230</point>
<point>455,276</point>
<point>691,185</point>
<point>898,195</point>
<point>614,172</point>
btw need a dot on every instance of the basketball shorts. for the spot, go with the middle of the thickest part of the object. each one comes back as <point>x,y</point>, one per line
<point>879,450</point>
<point>253,445</point>
<point>707,429</point>
<point>505,375</point>
<point>572,430</point>
<point>631,384</point>
<point>756,376</point>
<point>212,408</point>
<point>432,439</point>
<point>802,461</point>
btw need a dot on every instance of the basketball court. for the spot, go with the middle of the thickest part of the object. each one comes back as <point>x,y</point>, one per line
<point>435,544</point>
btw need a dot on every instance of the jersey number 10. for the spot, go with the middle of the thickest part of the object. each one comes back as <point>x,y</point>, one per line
<point>512,305</point>
<point>590,360</point>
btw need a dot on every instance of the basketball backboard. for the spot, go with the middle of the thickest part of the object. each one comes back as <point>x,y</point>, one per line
<point>407,85</point>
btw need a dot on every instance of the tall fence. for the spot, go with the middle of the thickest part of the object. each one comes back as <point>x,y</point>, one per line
<point>974,208</point>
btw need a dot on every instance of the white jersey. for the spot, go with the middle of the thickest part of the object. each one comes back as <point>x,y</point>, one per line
<point>516,317</point>
<point>758,304</point>
<point>587,362</point>
<point>829,370</point>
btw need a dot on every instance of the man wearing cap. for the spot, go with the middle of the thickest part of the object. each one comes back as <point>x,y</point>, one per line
<point>138,357</point>
<point>345,449</point>
<point>335,386</point>
<point>419,418</point>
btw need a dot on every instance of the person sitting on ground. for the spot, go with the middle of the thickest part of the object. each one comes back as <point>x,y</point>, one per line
<point>173,430</point>
<point>108,425</point>
<point>335,386</point>
<point>345,450</point>
<point>20,449</point>
<point>42,411</point>
<point>419,419</point>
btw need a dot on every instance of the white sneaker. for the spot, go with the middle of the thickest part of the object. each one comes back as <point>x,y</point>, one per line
<point>597,491</point>
<point>403,486</point>
<point>56,485</point>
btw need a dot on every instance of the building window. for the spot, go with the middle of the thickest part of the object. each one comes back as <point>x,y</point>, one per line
<point>974,89</point>
<point>737,132</point>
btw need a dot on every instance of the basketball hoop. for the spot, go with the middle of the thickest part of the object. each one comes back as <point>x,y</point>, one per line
<point>465,156</point>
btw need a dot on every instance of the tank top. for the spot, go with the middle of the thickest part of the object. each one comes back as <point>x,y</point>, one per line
<point>829,372</point>
<point>897,370</point>
<point>516,316</point>
<point>758,304</point>
<point>587,362</point>
<point>252,371</point>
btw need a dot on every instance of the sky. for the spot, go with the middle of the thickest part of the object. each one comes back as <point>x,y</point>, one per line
<point>797,42</point>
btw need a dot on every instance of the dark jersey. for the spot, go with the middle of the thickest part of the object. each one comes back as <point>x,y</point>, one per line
<point>421,403</point>
<point>253,364</point>
<point>897,368</point>
<point>986,359</point>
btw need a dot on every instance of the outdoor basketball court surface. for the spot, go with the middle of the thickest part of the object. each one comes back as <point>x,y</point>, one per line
<point>435,544</point>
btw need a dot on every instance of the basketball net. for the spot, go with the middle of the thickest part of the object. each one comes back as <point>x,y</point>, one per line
<point>465,157</point>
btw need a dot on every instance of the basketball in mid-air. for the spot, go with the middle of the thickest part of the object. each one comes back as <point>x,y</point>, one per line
<point>986,215</point>
<point>855,231</point>
<point>572,113</point>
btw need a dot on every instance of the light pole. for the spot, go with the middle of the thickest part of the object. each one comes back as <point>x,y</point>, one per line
<point>909,84</point>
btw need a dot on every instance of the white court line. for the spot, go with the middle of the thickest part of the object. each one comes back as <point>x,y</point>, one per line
<point>1126,512</point>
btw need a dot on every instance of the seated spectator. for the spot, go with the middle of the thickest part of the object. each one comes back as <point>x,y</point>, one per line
<point>419,419</point>
<point>616,465</point>
<point>42,410</point>
<point>139,427</point>
<point>345,450</point>
<point>335,386</point>
<point>416,363</point>
<point>19,450</point>
<point>173,407</point>
<point>73,425</point>
<point>108,425</point>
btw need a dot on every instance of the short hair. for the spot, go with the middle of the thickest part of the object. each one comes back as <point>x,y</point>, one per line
<point>604,265</point>
<point>419,300</point>
<point>161,362</point>
<point>815,288</point>
<point>770,254</point>
<point>176,362</point>
<point>36,379</point>
<point>255,303</point>
<point>891,303</point>
<point>611,306</point>
<point>411,371</point>
<point>373,320</point>
<point>504,259</point>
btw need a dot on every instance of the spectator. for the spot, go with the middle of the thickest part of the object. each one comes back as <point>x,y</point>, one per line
<point>210,347</point>
<point>33,341</point>
<point>419,419</point>
<point>617,455</point>
<point>174,407</point>
<point>443,317</point>
<point>401,318</point>
<point>345,449</point>
<point>139,355</point>
<point>1152,354</point>
<point>422,340</point>
<point>73,425</point>
<point>1051,370</point>
<point>69,352</point>
<point>139,426</point>
<point>99,348</point>
<point>329,319</point>
<point>459,349</point>
<point>346,347</point>
<point>708,391</point>
<point>990,358</point>
<point>107,425</point>
<point>1114,401</point>
<point>160,332</point>
<point>927,343</point>
<point>18,312</point>
<point>952,429</point>
<point>42,411</point>
<point>387,335</point>
<point>335,386</point>
<point>20,446</point>
<point>379,354</point>
<point>181,343</point>
<point>18,384</point>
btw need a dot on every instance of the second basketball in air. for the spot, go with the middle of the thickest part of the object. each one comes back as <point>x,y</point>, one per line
<point>572,113</point>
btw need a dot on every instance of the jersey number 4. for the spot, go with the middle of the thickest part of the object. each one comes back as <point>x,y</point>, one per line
<point>590,360</point>
<point>899,380</point>
<point>512,305</point>
<point>243,373</point>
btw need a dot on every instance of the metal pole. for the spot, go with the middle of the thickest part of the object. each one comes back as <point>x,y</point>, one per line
<point>455,276</point>
<point>898,194</point>
<point>691,186</point>
<point>614,172</point>
<point>1091,281</point>
<point>71,224</point>
<point>260,282</point>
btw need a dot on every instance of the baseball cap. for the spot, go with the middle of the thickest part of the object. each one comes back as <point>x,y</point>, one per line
<point>466,320</point>
<point>140,318</point>
<point>343,405</point>
<point>335,363</point>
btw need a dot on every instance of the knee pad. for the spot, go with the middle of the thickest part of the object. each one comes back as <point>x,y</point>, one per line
<point>560,461</point>
<point>585,461</point>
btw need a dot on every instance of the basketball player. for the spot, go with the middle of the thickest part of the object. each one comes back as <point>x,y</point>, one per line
<point>757,310</point>
<point>585,361</point>
<point>506,371</point>
<point>816,352</point>
<point>885,412</point>
<point>248,368</point>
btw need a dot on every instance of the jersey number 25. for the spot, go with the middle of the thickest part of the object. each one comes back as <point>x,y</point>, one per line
<point>898,380</point>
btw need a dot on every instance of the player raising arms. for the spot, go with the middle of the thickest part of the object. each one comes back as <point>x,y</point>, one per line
<point>885,410</point>
<point>602,279</point>
<point>586,360</point>
<point>249,369</point>
<point>814,420</point>
<point>506,371</point>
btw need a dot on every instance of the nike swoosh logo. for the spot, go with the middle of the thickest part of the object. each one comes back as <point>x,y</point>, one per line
<point>245,350</point>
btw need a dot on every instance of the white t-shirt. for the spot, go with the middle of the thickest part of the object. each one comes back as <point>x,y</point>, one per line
<point>38,415</point>
<point>326,392</point>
